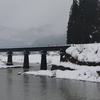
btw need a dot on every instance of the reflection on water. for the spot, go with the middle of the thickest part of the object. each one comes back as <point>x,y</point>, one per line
<point>26,87</point>
<point>9,85</point>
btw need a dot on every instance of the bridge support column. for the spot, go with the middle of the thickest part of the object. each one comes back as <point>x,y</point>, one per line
<point>62,55</point>
<point>43,60</point>
<point>9,60</point>
<point>26,60</point>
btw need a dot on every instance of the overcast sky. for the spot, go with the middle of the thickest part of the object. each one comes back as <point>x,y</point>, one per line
<point>34,13</point>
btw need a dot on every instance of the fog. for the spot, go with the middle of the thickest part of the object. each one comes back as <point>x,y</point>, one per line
<point>23,14</point>
<point>24,21</point>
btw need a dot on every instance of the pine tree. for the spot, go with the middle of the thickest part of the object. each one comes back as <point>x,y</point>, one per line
<point>96,25</point>
<point>88,14</point>
<point>72,24</point>
<point>84,22</point>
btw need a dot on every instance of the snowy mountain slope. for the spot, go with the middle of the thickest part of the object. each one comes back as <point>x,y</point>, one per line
<point>51,40</point>
<point>14,37</point>
<point>8,33</point>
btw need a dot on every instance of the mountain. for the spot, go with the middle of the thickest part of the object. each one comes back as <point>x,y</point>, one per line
<point>33,34</point>
<point>51,40</point>
<point>8,33</point>
<point>7,37</point>
<point>14,37</point>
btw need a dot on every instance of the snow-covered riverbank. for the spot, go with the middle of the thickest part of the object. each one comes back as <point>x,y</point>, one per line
<point>87,53</point>
<point>83,72</point>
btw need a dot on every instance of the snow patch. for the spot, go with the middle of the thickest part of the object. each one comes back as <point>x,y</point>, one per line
<point>85,52</point>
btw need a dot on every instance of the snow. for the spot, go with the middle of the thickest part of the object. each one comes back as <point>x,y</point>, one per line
<point>33,58</point>
<point>40,73</point>
<point>83,73</point>
<point>80,74</point>
<point>86,52</point>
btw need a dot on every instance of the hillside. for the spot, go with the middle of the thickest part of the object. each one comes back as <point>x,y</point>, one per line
<point>31,36</point>
<point>51,40</point>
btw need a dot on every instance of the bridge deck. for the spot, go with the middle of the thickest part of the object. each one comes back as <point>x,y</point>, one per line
<point>35,48</point>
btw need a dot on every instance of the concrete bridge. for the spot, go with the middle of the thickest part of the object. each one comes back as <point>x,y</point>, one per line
<point>26,51</point>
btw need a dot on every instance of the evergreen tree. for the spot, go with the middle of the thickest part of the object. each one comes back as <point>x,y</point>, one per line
<point>86,17</point>
<point>72,24</point>
<point>96,25</point>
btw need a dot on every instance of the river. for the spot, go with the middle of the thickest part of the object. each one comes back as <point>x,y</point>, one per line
<point>29,87</point>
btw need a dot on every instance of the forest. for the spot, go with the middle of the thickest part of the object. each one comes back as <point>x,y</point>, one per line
<point>84,22</point>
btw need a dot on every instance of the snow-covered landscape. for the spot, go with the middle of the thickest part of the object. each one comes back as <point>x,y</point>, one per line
<point>86,52</point>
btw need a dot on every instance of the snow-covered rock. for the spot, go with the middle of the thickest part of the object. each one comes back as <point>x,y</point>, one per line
<point>85,52</point>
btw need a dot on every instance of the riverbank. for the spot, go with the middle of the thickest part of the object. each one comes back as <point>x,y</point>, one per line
<point>84,54</point>
<point>82,73</point>
<point>77,72</point>
<point>88,70</point>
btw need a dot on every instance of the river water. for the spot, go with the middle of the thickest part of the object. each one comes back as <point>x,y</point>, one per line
<point>29,87</point>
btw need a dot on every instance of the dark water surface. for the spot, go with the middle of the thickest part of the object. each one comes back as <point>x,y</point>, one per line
<point>28,87</point>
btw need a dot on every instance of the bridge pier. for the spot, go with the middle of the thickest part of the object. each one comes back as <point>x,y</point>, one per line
<point>26,60</point>
<point>43,60</point>
<point>9,60</point>
<point>62,55</point>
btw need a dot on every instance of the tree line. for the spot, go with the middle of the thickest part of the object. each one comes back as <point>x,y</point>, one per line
<point>84,22</point>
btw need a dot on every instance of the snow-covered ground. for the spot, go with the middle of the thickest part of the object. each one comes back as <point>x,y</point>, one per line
<point>83,73</point>
<point>33,58</point>
<point>85,52</point>
<point>89,52</point>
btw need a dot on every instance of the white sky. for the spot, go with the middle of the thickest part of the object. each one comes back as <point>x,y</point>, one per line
<point>34,13</point>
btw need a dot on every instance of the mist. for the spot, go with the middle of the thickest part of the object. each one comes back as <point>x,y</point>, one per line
<point>21,18</point>
<point>23,14</point>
